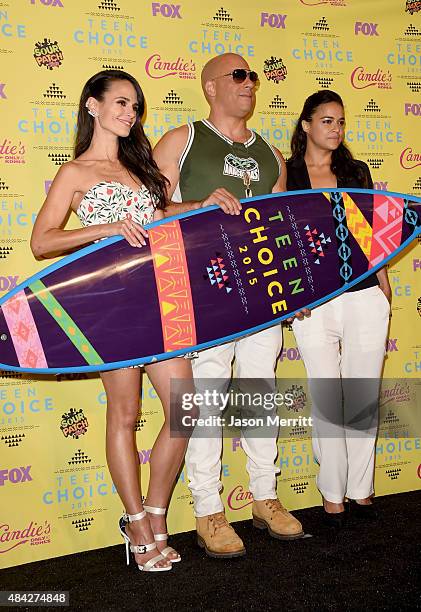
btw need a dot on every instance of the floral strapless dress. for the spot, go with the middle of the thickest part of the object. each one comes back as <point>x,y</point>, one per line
<point>110,201</point>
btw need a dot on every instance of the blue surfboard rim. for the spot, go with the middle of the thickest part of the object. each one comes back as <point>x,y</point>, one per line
<point>198,347</point>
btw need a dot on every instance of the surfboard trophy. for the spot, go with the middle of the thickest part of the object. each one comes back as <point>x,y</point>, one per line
<point>204,278</point>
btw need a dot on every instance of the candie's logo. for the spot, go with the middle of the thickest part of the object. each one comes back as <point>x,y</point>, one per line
<point>12,152</point>
<point>158,68</point>
<point>398,394</point>
<point>48,54</point>
<point>74,423</point>
<point>275,69</point>
<point>409,159</point>
<point>33,534</point>
<point>361,78</point>
<point>317,2</point>
<point>238,498</point>
<point>413,6</point>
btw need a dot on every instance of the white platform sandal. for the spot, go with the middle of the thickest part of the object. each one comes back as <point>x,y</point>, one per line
<point>163,537</point>
<point>149,566</point>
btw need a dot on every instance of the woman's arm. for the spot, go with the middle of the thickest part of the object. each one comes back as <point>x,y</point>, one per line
<point>384,283</point>
<point>49,239</point>
<point>158,214</point>
<point>281,183</point>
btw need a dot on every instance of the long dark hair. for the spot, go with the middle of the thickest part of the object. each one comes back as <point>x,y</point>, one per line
<point>343,164</point>
<point>134,151</point>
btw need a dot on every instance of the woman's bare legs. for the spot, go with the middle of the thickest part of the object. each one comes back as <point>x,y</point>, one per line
<point>122,388</point>
<point>168,452</point>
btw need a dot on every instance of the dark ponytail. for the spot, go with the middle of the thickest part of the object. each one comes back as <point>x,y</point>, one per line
<point>343,165</point>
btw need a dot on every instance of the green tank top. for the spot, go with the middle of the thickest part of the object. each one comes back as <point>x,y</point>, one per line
<point>211,160</point>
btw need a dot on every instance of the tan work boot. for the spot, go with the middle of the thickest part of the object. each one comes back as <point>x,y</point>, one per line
<point>217,537</point>
<point>271,515</point>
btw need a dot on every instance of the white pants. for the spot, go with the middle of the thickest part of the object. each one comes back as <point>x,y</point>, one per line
<point>255,358</point>
<point>346,337</point>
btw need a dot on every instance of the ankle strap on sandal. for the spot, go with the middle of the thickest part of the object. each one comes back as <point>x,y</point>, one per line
<point>154,510</point>
<point>141,549</point>
<point>135,517</point>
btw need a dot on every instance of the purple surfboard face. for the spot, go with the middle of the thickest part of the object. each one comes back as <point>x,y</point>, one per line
<point>203,278</point>
<point>115,301</point>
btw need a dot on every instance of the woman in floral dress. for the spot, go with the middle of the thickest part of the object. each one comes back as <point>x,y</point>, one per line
<point>115,187</point>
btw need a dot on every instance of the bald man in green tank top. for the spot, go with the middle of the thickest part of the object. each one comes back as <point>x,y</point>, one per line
<point>218,161</point>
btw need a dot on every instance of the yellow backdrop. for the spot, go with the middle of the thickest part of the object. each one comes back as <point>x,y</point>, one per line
<point>57,496</point>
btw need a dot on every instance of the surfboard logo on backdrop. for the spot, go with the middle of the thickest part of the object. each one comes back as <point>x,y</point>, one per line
<point>237,166</point>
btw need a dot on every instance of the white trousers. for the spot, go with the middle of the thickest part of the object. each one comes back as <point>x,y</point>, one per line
<point>346,337</point>
<point>255,357</point>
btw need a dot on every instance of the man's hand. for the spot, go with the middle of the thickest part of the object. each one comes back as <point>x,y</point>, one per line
<point>224,199</point>
<point>305,312</point>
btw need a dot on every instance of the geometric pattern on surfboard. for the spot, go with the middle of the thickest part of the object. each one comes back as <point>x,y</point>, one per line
<point>411,216</point>
<point>387,227</point>
<point>358,225</point>
<point>217,273</point>
<point>342,234</point>
<point>23,332</point>
<point>72,331</point>
<point>316,242</point>
<point>173,285</point>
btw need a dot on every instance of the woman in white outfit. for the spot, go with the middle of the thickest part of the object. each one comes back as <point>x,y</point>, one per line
<point>342,341</point>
